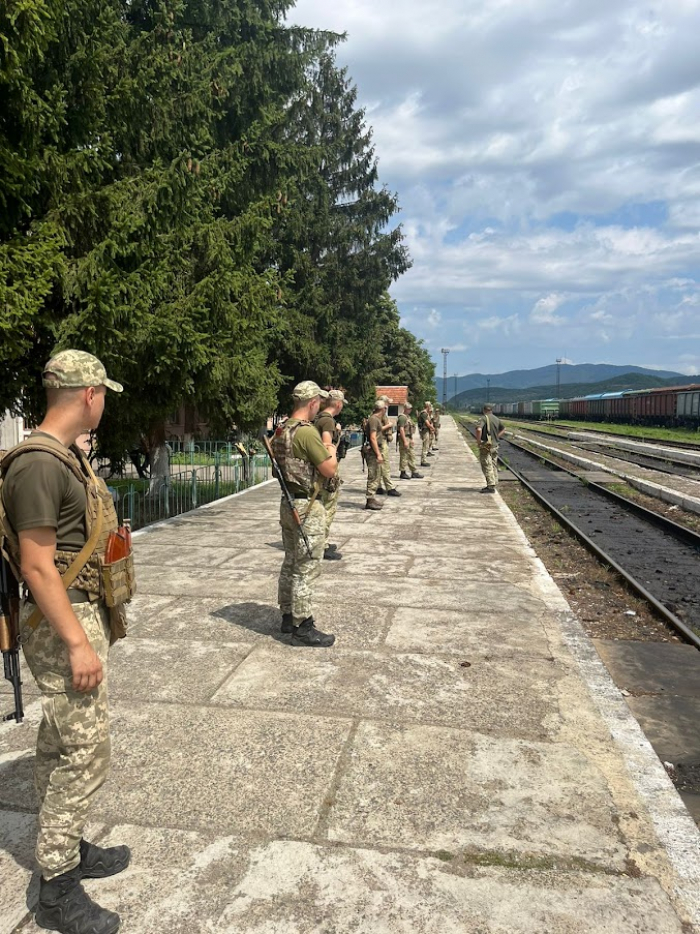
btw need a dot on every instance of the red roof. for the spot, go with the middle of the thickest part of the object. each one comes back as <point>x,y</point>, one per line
<point>398,395</point>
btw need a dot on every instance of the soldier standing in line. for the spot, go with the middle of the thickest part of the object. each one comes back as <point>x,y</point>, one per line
<point>373,453</point>
<point>56,518</point>
<point>386,484</point>
<point>488,433</point>
<point>407,457</point>
<point>436,427</point>
<point>305,462</point>
<point>425,427</point>
<point>329,430</point>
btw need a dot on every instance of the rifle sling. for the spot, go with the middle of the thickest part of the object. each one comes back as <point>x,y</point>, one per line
<point>81,559</point>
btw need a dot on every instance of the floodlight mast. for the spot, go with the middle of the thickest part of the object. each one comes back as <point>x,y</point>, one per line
<point>444,351</point>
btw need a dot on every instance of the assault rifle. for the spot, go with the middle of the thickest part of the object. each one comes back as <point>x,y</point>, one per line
<point>287,495</point>
<point>9,635</point>
<point>342,447</point>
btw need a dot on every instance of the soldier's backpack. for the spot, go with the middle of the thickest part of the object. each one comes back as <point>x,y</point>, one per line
<point>422,419</point>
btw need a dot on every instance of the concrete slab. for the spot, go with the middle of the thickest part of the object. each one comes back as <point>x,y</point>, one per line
<point>466,634</point>
<point>297,888</point>
<point>422,788</point>
<point>652,667</point>
<point>217,620</point>
<point>671,723</point>
<point>150,552</point>
<point>242,772</point>
<point>435,593</point>
<point>416,688</point>
<point>205,582</point>
<point>17,839</point>
<point>156,670</point>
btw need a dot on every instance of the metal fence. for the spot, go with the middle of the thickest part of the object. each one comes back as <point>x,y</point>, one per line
<point>204,478</point>
<point>200,472</point>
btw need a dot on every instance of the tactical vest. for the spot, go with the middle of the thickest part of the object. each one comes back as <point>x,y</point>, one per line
<point>296,470</point>
<point>422,420</point>
<point>95,578</point>
<point>407,427</point>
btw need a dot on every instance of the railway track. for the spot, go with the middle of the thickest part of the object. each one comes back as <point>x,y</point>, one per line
<point>661,463</point>
<point>680,445</point>
<point>658,558</point>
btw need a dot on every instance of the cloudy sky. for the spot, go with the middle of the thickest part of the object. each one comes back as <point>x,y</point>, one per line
<point>546,154</point>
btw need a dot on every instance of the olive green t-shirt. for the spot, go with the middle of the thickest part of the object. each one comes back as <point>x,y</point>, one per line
<point>325,422</point>
<point>495,427</point>
<point>40,492</point>
<point>404,422</point>
<point>375,424</point>
<point>309,447</point>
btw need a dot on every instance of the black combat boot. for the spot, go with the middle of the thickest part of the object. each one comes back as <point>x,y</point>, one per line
<point>373,503</point>
<point>381,491</point>
<point>488,489</point>
<point>329,555</point>
<point>65,906</point>
<point>424,464</point>
<point>416,476</point>
<point>98,862</point>
<point>307,634</point>
<point>331,547</point>
<point>404,476</point>
<point>287,622</point>
<point>393,492</point>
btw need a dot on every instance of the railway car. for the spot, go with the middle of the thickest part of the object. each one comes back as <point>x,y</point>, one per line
<point>688,407</point>
<point>545,408</point>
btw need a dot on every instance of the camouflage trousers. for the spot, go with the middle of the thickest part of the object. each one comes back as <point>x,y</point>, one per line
<point>299,572</point>
<point>374,475</point>
<point>407,459</point>
<point>73,745</point>
<point>330,504</point>
<point>385,468</point>
<point>489,465</point>
<point>426,438</point>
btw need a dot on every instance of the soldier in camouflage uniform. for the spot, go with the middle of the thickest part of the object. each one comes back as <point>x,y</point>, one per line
<point>436,427</point>
<point>45,501</point>
<point>305,462</point>
<point>407,457</point>
<point>425,427</point>
<point>489,431</point>
<point>329,431</point>
<point>373,454</point>
<point>386,484</point>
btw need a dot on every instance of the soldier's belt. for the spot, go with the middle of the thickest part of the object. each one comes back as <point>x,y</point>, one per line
<point>75,596</point>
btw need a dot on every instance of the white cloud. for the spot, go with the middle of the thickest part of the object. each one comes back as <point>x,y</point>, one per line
<point>538,149</point>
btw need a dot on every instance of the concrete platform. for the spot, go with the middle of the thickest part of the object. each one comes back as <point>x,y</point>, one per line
<point>458,763</point>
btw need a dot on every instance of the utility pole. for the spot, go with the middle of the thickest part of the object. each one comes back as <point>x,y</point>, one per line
<point>444,351</point>
<point>488,390</point>
<point>455,386</point>
<point>560,360</point>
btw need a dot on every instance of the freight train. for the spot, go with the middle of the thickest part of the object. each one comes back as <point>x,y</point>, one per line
<point>669,406</point>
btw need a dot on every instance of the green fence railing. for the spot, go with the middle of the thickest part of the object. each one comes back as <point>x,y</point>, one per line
<point>205,479</point>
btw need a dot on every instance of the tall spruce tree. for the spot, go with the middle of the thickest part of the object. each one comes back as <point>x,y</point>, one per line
<point>334,242</point>
<point>138,218</point>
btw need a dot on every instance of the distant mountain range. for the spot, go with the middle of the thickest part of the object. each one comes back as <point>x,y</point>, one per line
<point>570,373</point>
<point>635,380</point>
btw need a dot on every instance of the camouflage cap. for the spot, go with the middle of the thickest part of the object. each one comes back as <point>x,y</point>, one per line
<point>407,406</point>
<point>335,395</point>
<point>385,399</point>
<point>74,369</point>
<point>308,390</point>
